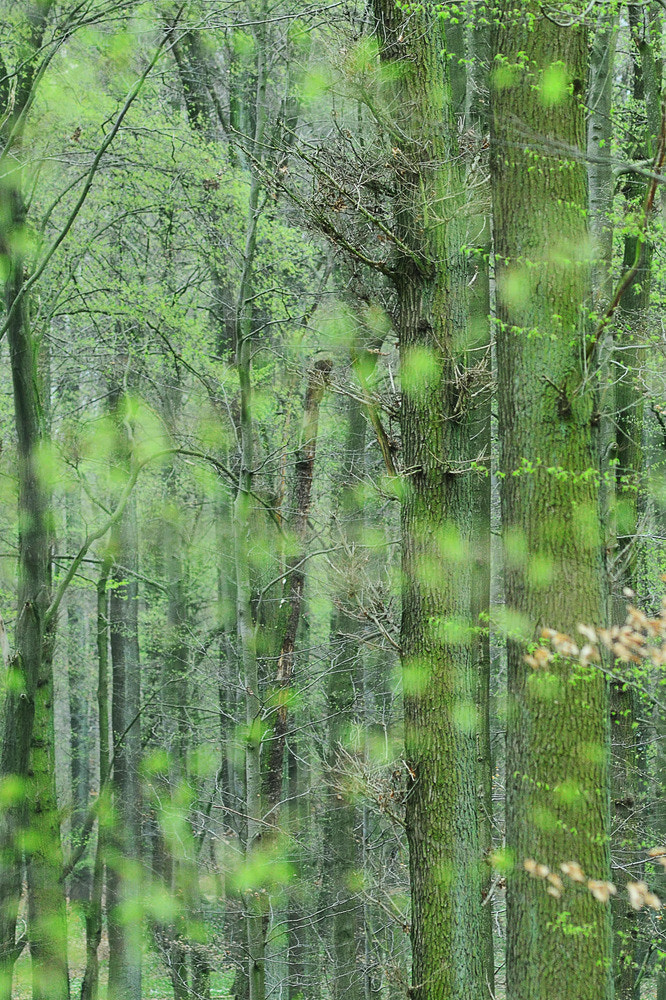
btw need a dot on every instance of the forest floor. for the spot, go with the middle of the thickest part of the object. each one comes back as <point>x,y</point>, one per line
<point>156,981</point>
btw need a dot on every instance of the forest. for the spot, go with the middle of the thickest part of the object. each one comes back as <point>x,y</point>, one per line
<point>332,500</point>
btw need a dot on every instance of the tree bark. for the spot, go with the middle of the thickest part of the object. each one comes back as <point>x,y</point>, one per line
<point>294,580</point>
<point>124,850</point>
<point>557,717</point>
<point>28,731</point>
<point>254,916</point>
<point>628,779</point>
<point>437,501</point>
<point>93,911</point>
<point>27,754</point>
<point>480,334</point>
<point>343,817</point>
<point>626,735</point>
<point>79,709</point>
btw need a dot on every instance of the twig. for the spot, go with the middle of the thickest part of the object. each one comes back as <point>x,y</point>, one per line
<point>629,276</point>
<point>133,94</point>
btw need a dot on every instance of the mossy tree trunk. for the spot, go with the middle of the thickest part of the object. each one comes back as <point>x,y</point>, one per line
<point>27,756</point>
<point>28,753</point>
<point>631,333</point>
<point>430,277</point>
<point>557,718</point>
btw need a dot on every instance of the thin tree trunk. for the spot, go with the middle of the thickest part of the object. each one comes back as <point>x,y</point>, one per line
<point>123,858</point>
<point>188,960</point>
<point>295,580</point>
<point>615,491</point>
<point>477,121</point>
<point>626,735</point>
<point>19,704</point>
<point>242,525</point>
<point>344,682</point>
<point>254,916</point>
<point>90,984</point>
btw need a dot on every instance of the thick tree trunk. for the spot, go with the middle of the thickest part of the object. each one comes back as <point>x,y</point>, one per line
<point>255,902</point>
<point>599,168</point>
<point>300,942</point>
<point>557,720</point>
<point>47,914</point>
<point>628,780</point>
<point>187,957</point>
<point>626,739</point>
<point>480,335</point>
<point>436,631</point>
<point>245,628</point>
<point>19,704</point>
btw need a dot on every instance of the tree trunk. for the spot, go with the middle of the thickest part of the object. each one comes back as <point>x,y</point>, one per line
<point>123,857</point>
<point>47,913</point>
<point>626,738</point>
<point>28,731</point>
<point>480,616</point>
<point>436,632</point>
<point>557,718</point>
<point>79,710</point>
<point>295,580</point>
<point>245,627</point>
<point>343,817</point>
<point>187,959</point>
<point>299,940</point>
<point>90,984</point>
